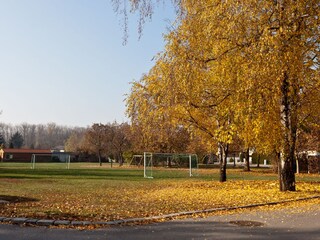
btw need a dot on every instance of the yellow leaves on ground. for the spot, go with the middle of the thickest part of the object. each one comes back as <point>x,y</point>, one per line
<point>110,200</point>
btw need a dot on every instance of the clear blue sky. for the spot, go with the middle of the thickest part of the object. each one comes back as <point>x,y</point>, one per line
<point>63,61</point>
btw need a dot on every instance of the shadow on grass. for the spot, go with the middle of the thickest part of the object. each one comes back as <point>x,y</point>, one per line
<point>110,174</point>
<point>125,174</point>
<point>17,199</point>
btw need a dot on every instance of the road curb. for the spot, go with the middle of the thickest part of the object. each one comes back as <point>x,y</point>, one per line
<point>50,222</point>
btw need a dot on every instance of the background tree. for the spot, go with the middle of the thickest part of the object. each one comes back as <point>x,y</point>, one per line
<point>28,132</point>
<point>75,142</point>
<point>16,141</point>
<point>95,142</point>
<point>109,140</point>
<point>40,136</point>
<point>7,131</point>
<point>119,140</point>
<point>2,140</point>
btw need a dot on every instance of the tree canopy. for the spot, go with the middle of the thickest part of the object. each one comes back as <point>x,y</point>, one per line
<point>237,68</point>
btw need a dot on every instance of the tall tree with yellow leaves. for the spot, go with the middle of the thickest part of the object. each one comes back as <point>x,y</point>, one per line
<point>266,51</point>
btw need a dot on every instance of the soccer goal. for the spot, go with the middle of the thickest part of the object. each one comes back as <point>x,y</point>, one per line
<point>136,160</point>
<point>171,161</point>
<point>54,160</point>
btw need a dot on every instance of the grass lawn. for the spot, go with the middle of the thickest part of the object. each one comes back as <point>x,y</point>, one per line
<point>89,192</point>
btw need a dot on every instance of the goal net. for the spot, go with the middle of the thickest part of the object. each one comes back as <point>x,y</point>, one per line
<point>54,160</point>
<point>136,160</point>
<point>174,164</point>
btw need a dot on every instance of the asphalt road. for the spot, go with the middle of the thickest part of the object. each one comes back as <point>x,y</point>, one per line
<point>276,224</point>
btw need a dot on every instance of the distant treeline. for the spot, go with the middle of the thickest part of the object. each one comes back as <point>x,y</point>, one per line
<point>39,136</point>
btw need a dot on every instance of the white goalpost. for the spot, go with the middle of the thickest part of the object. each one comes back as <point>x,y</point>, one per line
<point>48,160</point>
<point>147,165</point>
<point>169,160</point>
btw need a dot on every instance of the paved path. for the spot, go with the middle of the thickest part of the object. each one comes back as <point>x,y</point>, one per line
<point>276,224</point>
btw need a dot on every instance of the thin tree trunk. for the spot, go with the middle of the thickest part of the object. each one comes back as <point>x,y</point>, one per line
<point>120,159</point>
<point>223,153</point>
<point>247,165</point>
<point>99,157</point>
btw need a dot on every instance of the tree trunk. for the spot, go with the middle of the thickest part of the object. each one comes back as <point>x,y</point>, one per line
<point>169,162</point>
<point>276,163</point>
<point>247,165</point>
<point>223,153</point>
<point>99,157</point>
<point>120,159</point>
<point>287,175</point>
<point>289,122</point>
<point>258,163</point>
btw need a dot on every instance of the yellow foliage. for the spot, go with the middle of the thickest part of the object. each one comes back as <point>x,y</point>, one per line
<point>224,67</point>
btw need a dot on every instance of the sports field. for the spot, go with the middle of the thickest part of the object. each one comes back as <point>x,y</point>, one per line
<point>89,192</point>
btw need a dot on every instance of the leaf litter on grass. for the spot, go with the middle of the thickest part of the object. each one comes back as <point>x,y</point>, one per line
<point>97,200</point>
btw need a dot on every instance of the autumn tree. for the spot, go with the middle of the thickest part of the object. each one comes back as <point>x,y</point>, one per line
<point>283,63</point>
<point>174,94</point>
<point>118,140</point>
<point>94,140</point>
<point>75,142</point>
<point>153,128</point>
<point>186,85</point>
<point>104,140</point>
<point>267,49</point>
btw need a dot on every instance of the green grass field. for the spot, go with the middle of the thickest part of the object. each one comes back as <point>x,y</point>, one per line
<point>89,192</point>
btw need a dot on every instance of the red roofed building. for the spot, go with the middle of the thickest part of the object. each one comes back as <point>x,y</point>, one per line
<point>20,155</point>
